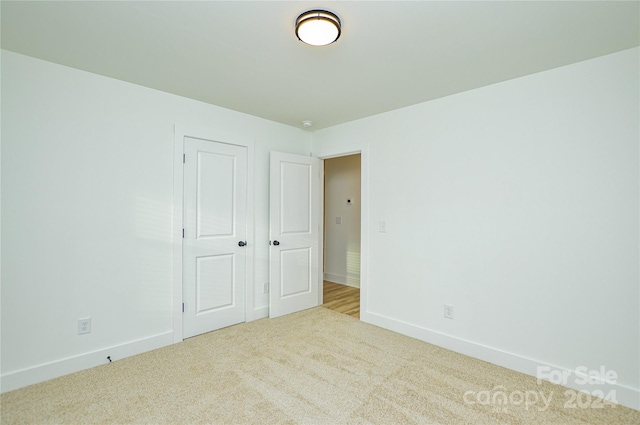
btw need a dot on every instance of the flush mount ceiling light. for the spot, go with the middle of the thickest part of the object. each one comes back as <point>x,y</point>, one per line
<point>318,27</point>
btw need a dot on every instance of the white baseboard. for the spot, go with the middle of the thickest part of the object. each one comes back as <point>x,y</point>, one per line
<point>40,373</point>
<point>32,375</point>
<point>353,281</point>
<point>259,313</point>
<point>624,395</point>
<point>335,278</point>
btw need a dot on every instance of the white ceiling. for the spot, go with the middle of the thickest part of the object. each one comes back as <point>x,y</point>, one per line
<point>244,55</point>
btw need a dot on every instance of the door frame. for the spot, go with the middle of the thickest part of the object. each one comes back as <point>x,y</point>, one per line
<point>334,152</point>
<point>177,223</point>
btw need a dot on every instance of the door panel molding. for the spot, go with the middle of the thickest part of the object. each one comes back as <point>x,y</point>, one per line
<point>219,298</point>
<point>293,284</point>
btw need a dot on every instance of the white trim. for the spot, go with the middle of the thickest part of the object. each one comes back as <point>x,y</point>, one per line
<point>343,280</point>
<point>335,278</point>
<point>321,234</point>
<point>625,395</point>
<point>178,218</point>
<point>363,150</point>
<point>261,312</point>
<point>251,234</point>
<point>176,225</point>
<point>40,373</point>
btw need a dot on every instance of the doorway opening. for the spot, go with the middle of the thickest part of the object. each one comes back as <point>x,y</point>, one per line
<point>342,234</point>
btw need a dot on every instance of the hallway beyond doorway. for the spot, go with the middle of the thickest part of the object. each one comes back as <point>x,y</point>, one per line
<point>341,298</point>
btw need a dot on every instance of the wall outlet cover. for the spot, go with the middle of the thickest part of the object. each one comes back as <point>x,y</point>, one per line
<point>84,325</point>
<point>448,311</point>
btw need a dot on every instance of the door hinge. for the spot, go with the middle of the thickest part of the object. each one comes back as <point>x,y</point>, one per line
<point>182,233</point>
<point>184,158</point>
<point>183,307</point>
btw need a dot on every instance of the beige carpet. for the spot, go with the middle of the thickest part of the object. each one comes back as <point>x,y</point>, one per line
<point>313,367</point>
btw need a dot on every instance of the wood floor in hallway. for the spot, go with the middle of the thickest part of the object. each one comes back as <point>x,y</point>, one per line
<point>341,298</point>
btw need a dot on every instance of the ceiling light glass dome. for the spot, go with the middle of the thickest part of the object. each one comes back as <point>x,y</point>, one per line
<point>318,27</point>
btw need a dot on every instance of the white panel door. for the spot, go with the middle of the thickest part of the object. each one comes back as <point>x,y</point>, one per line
<point>215,184</point>
<point>294,233</point>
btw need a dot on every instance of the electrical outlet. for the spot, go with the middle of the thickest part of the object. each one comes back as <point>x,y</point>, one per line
<point>448,311</point>
<point>84,325</point>
<point>265,289</point>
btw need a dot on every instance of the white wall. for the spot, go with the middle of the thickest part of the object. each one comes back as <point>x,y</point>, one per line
<point>342,240</point>
<point>87,213</point>
<point>517,203</point>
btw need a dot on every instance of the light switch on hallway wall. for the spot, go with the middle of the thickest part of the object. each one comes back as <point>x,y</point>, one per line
<point>383,226</point>
<point>338,220</point>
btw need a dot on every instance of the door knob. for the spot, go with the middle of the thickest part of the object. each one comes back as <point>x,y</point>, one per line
<point>276,243</point>
<point>242,243</point>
